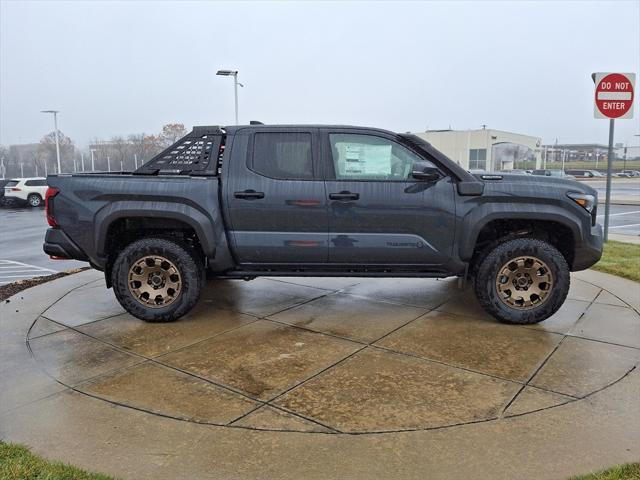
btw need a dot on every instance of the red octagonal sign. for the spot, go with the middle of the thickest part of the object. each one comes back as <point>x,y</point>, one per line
<point>614,95</point>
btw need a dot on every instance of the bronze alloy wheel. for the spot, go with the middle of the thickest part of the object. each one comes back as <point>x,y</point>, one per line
<point>524,283</point>
<point>154,281</point>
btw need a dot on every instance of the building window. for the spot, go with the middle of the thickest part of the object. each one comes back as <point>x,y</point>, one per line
<point>478,159</point>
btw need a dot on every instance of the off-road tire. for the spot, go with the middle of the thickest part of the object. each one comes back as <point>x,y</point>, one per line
<point>34,200</point>
<point>186,260</point>
<point>488,269</point>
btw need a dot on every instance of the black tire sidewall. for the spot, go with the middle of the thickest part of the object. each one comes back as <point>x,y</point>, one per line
<point>187,263</point>
<point>486,291</point>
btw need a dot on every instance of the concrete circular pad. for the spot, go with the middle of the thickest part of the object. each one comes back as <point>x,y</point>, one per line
<point>336,355</point>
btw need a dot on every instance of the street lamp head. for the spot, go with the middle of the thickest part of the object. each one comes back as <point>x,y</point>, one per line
<point>49,111</point>
<point>226,73</point>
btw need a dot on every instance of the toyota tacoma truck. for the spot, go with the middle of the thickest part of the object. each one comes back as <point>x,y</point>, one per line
<point>245,201</point>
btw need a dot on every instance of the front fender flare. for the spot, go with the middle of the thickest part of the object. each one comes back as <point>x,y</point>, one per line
<point>473,223</point>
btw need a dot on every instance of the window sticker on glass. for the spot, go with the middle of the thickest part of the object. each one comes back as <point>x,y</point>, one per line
<point>363,159</point>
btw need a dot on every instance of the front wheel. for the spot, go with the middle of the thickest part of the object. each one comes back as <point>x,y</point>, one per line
<point>522,281</point>
<point>157,279</point>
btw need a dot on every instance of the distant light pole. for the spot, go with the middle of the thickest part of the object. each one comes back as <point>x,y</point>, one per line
<point>82,160</point>
<point>108,163</point>
<point>55,124</point>
<point>234,74</point>
<point>135,160</point>
<point>93,165</point>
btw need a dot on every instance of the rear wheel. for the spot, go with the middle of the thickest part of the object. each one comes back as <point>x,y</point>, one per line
<point>157,279</point>
<point>34,200</point>
<point>522,281</point>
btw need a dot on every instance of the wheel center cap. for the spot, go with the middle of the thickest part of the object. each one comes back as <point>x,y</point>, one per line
<point>156,280</point>
<point>522,282</point>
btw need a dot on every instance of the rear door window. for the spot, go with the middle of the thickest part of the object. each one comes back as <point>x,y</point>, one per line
<point>283,155</point>
<point>35,183</point>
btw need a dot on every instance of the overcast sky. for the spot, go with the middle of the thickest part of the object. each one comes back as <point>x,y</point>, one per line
<point>130,67</point>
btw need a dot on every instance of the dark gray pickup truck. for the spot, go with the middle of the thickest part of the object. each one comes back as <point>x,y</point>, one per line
<point>257,200</point>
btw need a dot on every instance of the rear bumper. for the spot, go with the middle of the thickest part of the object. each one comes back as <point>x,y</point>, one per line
<point>58,244</point>
<point>590,250</point>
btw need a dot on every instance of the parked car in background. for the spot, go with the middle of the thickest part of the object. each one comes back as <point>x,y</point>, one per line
<point>629,173</point>
<point>30,191</point>
<point>3,200</point>
<point>516,171</point>
<point>553,172</point>
<point>585,173</point>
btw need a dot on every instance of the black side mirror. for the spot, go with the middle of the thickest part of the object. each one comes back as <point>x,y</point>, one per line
<point>426,172</point>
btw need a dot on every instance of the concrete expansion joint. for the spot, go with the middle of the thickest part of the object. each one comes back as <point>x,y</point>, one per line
<point>373,357</point>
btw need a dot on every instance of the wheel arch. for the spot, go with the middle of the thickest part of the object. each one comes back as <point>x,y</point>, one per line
<point>483,225</point>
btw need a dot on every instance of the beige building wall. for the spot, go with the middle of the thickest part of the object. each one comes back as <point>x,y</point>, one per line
<point>456,144</point>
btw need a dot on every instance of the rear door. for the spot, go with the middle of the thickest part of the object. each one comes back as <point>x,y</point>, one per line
<point>378,213</point>
<point>276,198</point>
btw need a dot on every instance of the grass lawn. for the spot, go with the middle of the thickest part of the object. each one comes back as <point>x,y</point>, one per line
<point>622,259</point>
<point>18,463</point>
<point>630,471</point>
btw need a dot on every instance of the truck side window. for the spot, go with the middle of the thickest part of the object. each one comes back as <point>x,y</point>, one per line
<point>284,156</point>
<point>367,157</point>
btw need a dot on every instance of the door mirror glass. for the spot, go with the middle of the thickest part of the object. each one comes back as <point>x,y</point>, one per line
<point>425,171</point>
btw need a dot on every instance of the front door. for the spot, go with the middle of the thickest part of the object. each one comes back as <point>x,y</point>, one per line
<point>276,202</point>
<point>378,213</point>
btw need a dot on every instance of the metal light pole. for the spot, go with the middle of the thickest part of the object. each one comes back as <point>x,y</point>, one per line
<point>82,160</point>
<point>55,124</point>
<point>234,74</point>
<point>108,163</point>
<point>93,165</point>
<point>135,160</point>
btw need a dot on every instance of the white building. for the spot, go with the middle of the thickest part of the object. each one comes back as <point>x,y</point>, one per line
<point>487,149</point>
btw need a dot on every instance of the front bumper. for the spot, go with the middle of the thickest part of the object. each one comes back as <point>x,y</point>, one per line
<point>58,244</point>
<point>589,251</point>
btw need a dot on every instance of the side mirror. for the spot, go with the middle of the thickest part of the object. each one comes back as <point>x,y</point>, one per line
<point>425,171</point>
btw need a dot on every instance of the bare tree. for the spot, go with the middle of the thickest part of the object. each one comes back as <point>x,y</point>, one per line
<point>48,147</point>
<point>171,133</point>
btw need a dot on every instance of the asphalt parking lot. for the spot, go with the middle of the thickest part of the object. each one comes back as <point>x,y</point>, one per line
<point>21,254</point>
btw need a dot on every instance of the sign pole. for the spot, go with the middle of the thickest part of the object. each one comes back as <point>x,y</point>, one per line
<point>607,201</point>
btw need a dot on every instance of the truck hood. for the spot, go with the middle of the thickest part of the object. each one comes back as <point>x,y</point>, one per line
<point>530,184</point>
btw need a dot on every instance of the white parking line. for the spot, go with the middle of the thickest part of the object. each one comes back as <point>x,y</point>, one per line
<point>616,214</point>
<point>625,226</point>
<point>11,271</point>
<point>13,262</point>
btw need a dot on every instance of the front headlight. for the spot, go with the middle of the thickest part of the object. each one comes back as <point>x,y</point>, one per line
<point>585,200</point>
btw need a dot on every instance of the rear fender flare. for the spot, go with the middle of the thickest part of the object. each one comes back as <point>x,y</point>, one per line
<point>201,223</point>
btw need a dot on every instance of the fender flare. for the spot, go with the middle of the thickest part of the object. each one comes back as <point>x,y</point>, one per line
<point>199,221</point>
<point>473,223</point>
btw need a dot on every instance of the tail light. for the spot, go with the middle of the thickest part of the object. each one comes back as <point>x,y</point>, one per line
<point>48,206</point>
<point>14,189</point>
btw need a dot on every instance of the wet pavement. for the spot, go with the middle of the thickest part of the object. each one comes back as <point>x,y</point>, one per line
<point>345,358</point>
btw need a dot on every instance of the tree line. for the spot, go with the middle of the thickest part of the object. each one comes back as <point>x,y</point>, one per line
<point>120,152</point>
